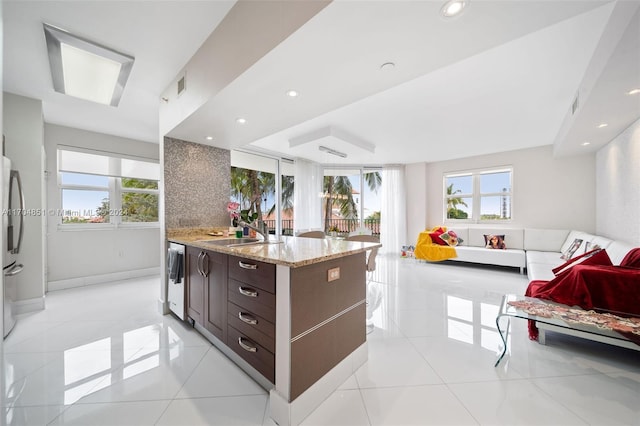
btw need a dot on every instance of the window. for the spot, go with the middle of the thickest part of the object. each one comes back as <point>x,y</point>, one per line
<point>482,195</point>
<point>106,190</point>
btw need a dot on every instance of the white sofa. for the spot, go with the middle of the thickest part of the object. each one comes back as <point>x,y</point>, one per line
<point>473,247</point>
<point>538,250</point>
<point>545,246</point>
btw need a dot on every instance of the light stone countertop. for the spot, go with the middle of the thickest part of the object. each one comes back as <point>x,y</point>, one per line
<point>290,251</point>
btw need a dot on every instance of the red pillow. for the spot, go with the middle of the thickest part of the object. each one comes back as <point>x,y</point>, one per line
<point>435,237</point>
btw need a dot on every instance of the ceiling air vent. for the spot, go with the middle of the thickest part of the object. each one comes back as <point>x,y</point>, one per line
<point>574,105</point>
<point>182,85</point>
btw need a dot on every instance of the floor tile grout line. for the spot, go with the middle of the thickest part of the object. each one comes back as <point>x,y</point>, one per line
<point>533,382</point>
<point>364,403</point>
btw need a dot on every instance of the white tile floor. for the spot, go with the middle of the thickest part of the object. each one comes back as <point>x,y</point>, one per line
<point>103,355</point>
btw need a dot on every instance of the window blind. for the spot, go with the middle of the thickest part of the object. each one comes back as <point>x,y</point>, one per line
<point>106,165</point>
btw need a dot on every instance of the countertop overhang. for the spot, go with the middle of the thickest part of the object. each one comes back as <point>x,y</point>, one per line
<point>293,252</point>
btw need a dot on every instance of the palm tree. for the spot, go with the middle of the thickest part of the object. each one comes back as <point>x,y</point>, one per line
<point>339,192</point>
<point>248,186</point>
<point>452,204</point>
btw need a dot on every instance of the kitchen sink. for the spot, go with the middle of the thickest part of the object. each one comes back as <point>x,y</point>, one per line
<point>238,242</point>
<point>230,241</point>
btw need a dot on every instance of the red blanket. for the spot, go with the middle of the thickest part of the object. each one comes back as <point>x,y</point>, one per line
<point>598,287</point>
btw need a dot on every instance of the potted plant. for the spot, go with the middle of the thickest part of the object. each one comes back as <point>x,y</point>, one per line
<point>333,230</point>
<point>247,217</point>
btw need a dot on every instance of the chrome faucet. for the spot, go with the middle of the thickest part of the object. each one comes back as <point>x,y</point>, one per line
<point>259,229</point>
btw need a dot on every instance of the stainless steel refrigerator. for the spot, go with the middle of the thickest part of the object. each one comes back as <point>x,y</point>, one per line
<point>13,223</point>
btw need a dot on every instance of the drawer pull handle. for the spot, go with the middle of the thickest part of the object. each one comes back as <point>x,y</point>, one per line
<point>247,318</point>
<point>247,265</point>
<point>245,346</point>
<point>250,293</point>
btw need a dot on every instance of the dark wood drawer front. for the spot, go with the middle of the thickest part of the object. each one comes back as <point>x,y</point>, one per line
<point>259,357</point>
<point>253,326</point>
<point>257,274</point>
<point>253,299</point>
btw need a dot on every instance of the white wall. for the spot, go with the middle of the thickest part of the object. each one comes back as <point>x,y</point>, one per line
<point>618,187</point>
<point>23,129</point>
<point>1,195</point>
<point>415,179</point>
<point>77,254</point>
<point>548,192</point>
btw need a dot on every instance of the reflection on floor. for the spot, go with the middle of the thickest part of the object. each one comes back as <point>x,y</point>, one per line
<point>103,355</point>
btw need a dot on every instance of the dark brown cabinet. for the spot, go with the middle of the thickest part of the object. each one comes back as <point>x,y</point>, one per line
<point>251,312</point>
<point>207,290</point>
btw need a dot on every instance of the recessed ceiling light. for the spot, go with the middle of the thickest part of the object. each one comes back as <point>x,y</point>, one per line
<point>453,8</point>
<point>603,125</point>
<point>84,69</point>
<point>292,93</point>
<point>633,91</point>
<point>209,138</point>
<point>387,66</point>
<point>241,120</point>
<point>586,143</point>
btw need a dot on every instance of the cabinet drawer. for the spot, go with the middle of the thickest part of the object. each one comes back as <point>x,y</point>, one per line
<point>256,355</point>
<point>253,326</point>
<point>255,300</point>
<point>253,272</point>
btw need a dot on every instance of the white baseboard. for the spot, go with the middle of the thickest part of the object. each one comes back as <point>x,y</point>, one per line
<point>99,279</point>
<point>27,305</point>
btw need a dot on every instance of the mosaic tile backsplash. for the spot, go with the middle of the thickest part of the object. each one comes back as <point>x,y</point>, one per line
<point>197,181</point>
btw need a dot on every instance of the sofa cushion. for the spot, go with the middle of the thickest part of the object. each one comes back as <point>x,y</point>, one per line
<point>550,258</point>
<point>617,250</point>
<point>539,271</point>
<point>599,241</point>
<point>514,238</point>
<point>544,239</point>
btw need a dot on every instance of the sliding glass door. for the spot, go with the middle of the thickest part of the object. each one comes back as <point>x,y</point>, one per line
<point>351,200</point>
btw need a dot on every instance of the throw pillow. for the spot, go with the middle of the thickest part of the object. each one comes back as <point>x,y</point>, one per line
<point>569,252</point>
<point>589,246</point>
<point>494,242</point>
<point>435,236</point>
<point>451,238</point>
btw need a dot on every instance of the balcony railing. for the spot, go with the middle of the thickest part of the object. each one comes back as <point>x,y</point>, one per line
<point>344,225</point>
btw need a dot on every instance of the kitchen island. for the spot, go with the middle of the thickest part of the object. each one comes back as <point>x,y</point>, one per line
<point>290,312</point>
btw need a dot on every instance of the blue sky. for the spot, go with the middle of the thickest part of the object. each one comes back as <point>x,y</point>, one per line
<point>81,200</point>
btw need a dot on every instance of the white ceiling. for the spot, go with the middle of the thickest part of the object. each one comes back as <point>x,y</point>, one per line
<point>161,35</point>
<point>500,77</point>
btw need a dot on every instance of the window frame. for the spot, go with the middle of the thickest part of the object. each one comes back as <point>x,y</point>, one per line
<point>114,189</point>
<point>476,195</point>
